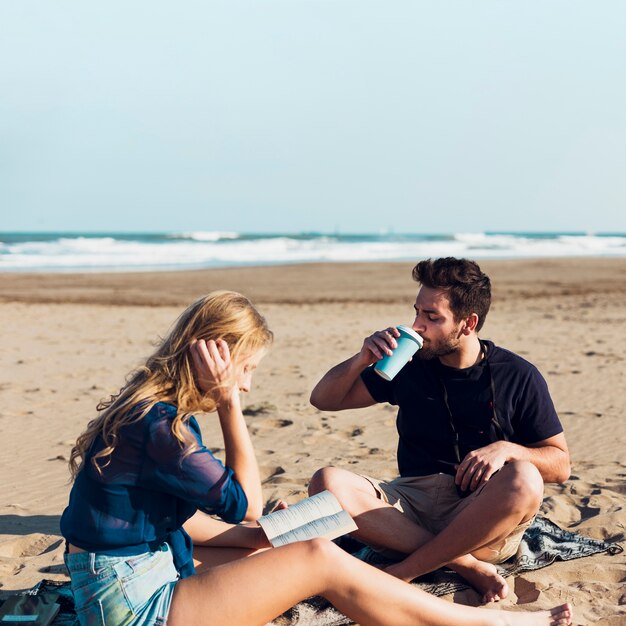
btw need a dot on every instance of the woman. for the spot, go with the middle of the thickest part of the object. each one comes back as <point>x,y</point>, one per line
<point>141,471</point>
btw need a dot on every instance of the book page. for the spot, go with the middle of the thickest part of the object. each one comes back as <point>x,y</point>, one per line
<point>330,527</point>
<point>320,505</point>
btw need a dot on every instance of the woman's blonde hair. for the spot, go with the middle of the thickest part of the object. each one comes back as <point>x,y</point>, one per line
<point>168,374</point>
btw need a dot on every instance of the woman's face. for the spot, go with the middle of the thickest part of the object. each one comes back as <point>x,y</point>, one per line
<point>244,369</point>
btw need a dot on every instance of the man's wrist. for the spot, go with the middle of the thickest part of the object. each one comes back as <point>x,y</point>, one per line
<point>511,451</point>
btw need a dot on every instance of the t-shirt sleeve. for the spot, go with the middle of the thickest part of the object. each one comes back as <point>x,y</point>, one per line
<point>198,477</point>
<point>536,416</point>
<point>380,389</point>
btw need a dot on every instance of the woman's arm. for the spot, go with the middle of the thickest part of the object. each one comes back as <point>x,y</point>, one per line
<point>240,455</point>
<point>216,375</point>
<point>207,531</point>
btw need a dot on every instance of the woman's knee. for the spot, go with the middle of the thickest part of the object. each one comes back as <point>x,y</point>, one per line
<point>321,555</point>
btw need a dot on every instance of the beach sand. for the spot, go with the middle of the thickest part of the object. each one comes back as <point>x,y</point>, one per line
<point>68,340</point>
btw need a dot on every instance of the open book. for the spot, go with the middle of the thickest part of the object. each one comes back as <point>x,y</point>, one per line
<point>320,515</point>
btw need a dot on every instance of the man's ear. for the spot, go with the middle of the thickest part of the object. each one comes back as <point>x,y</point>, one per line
<point>470,324</point>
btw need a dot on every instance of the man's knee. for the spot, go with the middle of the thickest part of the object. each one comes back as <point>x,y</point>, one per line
<point>355,493</point>
<point>326,478</point>
<point>524,484</point>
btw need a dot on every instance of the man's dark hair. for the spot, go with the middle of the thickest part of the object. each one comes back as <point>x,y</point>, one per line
<point>468,289</point>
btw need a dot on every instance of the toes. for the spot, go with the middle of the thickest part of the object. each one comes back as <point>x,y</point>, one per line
<point>503,590</point>
<point>562,612</point>
<point>562,615</point>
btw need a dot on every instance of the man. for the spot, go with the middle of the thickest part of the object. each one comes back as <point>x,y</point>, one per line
<point>478,437</point>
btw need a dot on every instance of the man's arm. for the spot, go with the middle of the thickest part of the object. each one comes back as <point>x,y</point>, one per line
<point>341,387</point>
<point>550,456</point>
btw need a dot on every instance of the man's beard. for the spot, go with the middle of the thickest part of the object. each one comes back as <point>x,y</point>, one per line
<point>443,347</point>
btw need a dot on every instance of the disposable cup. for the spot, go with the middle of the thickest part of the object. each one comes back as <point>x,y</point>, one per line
<point>409,342</point>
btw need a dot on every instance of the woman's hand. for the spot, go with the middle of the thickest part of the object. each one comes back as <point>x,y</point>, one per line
<point>214,370</point>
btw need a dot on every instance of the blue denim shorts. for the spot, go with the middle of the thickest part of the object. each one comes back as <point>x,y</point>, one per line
<point>122,590</point>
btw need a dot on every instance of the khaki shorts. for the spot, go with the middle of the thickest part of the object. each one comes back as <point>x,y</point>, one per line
<point>432,503</point>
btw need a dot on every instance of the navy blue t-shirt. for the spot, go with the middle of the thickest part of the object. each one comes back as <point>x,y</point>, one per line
<point>148,491</point>
<point>524,407</point>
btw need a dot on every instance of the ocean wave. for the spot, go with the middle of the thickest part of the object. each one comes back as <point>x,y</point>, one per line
<point>205,235</point>
<point>218,249</point>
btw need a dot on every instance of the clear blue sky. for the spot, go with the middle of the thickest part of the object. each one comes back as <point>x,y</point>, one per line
<point>291,115</point>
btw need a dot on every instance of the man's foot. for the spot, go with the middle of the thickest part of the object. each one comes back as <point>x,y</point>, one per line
<point>485,579</point>
<point>558,616</point>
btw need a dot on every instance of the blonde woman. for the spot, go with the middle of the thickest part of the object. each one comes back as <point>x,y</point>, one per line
<point>140,549</point>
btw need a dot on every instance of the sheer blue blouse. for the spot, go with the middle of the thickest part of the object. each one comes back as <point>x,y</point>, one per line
<point>148,490</point>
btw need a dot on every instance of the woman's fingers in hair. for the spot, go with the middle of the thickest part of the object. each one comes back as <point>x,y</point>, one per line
<point>203,363</point>
<point>211,363</point>
<point>211,351</point>
<point>201,351</point>
<point>223,350</point>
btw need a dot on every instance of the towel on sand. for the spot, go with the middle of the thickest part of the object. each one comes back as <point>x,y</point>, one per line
<point>543,543</point>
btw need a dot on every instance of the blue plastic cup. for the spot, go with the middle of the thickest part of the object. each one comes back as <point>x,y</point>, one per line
<point>409,342</point>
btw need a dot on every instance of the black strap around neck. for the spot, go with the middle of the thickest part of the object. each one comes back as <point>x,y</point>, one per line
<point>484,348</point>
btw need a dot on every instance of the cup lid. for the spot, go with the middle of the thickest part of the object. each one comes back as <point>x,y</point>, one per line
<point>409,331</point>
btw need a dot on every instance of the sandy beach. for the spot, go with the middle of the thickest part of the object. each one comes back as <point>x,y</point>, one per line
<point>69,340</point>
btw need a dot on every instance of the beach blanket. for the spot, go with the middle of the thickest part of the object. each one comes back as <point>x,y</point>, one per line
<point>543,543</point>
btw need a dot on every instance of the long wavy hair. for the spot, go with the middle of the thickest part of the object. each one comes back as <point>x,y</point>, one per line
<point>168,374</point>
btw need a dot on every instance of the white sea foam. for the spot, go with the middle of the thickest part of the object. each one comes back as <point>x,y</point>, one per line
<point>205,235</point>
<point>213,249</point>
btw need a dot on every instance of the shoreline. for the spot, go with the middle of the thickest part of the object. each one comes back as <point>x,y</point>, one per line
<point>307,282</point>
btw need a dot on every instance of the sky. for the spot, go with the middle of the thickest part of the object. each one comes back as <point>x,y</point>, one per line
<point>313,115</point>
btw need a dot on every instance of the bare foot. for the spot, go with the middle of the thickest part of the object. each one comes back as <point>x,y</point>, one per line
<point>485,579</point>
<point>558,616</point>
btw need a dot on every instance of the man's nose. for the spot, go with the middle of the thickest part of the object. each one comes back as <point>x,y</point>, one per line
<point>418,326</point>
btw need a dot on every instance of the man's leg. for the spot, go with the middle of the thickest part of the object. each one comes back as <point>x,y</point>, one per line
<point>511,497</point>
<point>382,525</point>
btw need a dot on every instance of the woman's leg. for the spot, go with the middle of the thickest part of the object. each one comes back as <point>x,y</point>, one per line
<point>207,558</point>
<point>253,591</point>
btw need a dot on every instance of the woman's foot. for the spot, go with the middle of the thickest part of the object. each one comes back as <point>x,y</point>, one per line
<point>558,616</point>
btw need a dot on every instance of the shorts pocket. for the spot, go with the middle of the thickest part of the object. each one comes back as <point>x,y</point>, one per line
<point>101,603</point>
<point>91,614</point>
<point>140,578</point>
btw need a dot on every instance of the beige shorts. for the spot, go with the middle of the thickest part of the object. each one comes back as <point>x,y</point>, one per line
<point>432,503</point>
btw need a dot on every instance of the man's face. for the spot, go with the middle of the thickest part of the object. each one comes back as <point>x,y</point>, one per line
<point>435,323</point>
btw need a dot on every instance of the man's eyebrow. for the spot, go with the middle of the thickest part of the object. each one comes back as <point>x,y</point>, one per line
<point>435,311</point>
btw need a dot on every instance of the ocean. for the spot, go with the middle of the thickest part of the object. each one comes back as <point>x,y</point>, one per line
<point>105,252</point>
